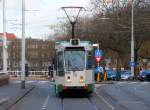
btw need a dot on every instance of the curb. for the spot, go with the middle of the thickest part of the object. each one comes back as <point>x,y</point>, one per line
<point>7,103</point>
<point>105,82</point>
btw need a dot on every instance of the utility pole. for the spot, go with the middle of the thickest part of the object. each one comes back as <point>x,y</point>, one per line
<point>4,39</point>
<point>23,47</point>
<point>132,63</point>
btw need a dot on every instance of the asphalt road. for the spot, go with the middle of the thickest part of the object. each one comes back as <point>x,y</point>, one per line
<point>117,96</point>
<point>126,95</point>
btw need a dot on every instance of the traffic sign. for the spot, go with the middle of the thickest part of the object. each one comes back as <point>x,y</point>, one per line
<point>98,55</point>
<point>99,69</point>
<point>132,64</point>
<point>98,59</point>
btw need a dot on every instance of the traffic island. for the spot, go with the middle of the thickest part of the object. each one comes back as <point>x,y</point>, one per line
<point>4,79</point>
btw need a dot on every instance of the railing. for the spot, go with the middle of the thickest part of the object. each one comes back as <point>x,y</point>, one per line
<point>32,75</point>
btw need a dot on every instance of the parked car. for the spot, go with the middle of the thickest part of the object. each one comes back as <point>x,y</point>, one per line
<point>111,75</point>
<point>144,75</point>
<point>125,75</point>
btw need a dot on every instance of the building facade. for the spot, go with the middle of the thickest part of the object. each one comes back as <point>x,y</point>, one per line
<point>39,54</point>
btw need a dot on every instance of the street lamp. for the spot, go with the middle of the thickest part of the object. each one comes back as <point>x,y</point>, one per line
<point>23,47</point>
<point>132,63</point>
<point>4,39</point>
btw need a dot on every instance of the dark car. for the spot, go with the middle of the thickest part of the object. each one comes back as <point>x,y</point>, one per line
<point>144,75</point>
<point>111,75</point>
<point>125,75</point>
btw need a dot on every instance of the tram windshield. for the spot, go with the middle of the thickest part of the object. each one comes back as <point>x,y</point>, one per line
<point>75,59</point>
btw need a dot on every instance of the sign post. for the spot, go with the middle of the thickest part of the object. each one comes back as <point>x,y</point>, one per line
<point>98,57</point>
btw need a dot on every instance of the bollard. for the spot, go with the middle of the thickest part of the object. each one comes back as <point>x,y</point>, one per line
<point>98,77</point>
<point>105,76</point>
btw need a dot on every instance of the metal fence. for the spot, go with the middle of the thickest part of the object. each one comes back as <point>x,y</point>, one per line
<point>32,75</point>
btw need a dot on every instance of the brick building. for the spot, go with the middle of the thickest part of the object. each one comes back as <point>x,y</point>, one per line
<point>10,37</point>
<point>39,54</point>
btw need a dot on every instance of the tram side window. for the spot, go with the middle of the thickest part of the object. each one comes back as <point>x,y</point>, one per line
<point>89,60</point>
<point>60,64</point>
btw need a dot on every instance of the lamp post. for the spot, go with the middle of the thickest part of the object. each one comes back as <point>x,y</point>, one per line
<point>132,63</point>
<point>23,47</point>
<point>4,39</point>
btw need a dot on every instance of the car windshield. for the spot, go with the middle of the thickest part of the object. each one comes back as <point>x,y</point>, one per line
<point>125,72</point>
<point>145,72</point>
<point>110,72</point>
<point>74,60</point>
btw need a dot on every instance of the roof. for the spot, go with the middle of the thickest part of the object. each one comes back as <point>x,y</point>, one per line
<point>10,36</point>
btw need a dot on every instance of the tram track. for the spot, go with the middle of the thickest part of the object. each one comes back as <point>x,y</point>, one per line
<point>91,103</point>
<point>61,103</point>
<point>110,101</point>
<point>136,97</point>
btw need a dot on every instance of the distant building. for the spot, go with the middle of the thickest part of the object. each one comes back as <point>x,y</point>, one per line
<point>10,37</point>
<point>39,54</point>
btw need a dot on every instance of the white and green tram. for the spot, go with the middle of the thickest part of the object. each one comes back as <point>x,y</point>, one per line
<point>73,66</point>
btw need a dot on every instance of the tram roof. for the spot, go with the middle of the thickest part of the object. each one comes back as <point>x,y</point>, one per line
<point>63,44</point>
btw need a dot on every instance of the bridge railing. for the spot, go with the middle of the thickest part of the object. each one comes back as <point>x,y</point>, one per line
<point>32,75</point>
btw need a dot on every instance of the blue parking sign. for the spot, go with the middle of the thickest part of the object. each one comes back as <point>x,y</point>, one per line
<point>132,64</point>
<point>99,69</point>
<point>98,53</point>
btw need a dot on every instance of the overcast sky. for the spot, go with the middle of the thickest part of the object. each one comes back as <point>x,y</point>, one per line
<point>46,12</point>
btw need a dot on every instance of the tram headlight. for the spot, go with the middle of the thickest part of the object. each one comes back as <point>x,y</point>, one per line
<point>68,79</point>
<point>81,79</point>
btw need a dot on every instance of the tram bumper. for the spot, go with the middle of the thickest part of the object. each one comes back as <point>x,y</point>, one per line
<point>87,88</point>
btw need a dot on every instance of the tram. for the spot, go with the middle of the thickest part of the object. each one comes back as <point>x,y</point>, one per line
<point>73,66</point>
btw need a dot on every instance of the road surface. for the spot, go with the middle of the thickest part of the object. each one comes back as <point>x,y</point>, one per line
<point>117,96</point>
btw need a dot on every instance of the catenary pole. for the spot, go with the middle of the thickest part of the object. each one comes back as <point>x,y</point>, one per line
<point>23,47</point>
<point>132,39</point>
<point>4,39</point>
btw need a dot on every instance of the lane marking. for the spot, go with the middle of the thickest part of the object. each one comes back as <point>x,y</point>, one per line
<point>111,106</point>
<point>45,103</point>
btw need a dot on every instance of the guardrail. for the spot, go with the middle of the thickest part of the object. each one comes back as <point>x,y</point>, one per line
<point>32,75</point>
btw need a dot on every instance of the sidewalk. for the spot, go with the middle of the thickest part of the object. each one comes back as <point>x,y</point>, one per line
<point>11,94</point>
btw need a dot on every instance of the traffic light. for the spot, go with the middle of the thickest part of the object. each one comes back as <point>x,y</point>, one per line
<point>26,70</point>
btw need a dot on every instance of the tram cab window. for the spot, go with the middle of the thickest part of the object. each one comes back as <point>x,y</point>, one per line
<point>75,59</point>
<point>89,60</point>
<point>60,64</point>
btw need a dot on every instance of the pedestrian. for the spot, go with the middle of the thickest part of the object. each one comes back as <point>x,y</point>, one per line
<point>50,71</point>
